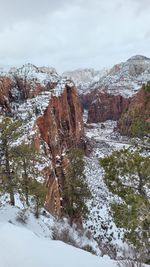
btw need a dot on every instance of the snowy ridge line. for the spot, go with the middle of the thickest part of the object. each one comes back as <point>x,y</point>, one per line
<point>124,79</point>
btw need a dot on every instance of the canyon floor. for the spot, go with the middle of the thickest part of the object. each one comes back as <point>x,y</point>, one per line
<point>102,141</point>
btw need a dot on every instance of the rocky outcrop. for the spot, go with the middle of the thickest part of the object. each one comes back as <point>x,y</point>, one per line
<point>6,84</point>
<point>84,78</point>
<point>61,127</point>
<point>136,120</point>
<point>125,78</point>
<point>51,115</point>
<point>103,106</point>
<point>108,94</point>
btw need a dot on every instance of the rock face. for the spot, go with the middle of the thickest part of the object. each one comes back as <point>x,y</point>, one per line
<point>107,107</point>
<point>84,78</point>
<point>118,85</point>
<point>6,84</point>
<point>124,78</point>
<point>136,120</point>
<point>50,111</point>
<point>61,127</point>
<point>103,106</point>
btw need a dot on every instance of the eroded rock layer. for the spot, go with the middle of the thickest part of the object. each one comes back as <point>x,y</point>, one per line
<point>135,121</point>
<point>51,116</point>
<point>103,106</point>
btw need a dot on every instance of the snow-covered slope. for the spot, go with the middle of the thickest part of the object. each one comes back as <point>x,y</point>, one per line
<point>28,242</point>
<point>124,78</point>
<point>102,141</point>
<point>21,247</point>
<point>84,78</point>
<point>42,75</point>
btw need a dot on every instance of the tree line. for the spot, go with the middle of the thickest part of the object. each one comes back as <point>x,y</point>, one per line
<point>18,174</point>
<point>17,167</point>
<point>127,175</point>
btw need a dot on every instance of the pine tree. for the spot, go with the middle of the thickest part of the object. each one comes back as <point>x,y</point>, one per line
<point>38,191</point>
<point>127,171</point>
<point>8,134</point>
<point>127,174</point>
<point>26,157</point>
<point>76,191</point>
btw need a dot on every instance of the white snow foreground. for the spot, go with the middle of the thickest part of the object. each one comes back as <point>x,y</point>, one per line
<point>21,247</point>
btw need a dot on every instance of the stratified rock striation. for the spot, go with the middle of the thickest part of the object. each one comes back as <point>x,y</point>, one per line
<point>105,106</point>
<point>49,108</point>
<point>107,94</point>
<point>135,121</point>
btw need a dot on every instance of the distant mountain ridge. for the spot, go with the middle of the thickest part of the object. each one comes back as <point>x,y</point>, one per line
<point>84,78</point>
<point>109,97</point>
<point>123,79</point>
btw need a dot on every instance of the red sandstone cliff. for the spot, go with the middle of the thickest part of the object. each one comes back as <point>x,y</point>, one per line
<point>61,127</point>
<point>136,120</point>
<point>51,113</point>
<point>6,84</point>
<point>103,106</point>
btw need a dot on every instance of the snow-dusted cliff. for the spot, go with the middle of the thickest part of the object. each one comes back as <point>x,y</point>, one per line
<point>49,108</point>
<point>123,79</point>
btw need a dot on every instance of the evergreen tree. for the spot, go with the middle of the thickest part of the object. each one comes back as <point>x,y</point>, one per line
<point>38,191</point>
<point>76,191</point>
<point>8,134</point>
<point>127,174</point>
<point>26,157</point>
<point>18,172</point>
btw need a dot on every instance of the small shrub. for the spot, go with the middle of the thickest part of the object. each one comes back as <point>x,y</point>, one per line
<point>147,87</point>
<point>63,235</point>
<point>89,249</point>
<point>22,217</point>
<point>129,263</point>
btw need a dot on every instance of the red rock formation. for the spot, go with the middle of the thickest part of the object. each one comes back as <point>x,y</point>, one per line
<point>60,126</point>
<point>87,99</point>
<point>6,84</point>
<point>136,120</point>
<point>103,106</point>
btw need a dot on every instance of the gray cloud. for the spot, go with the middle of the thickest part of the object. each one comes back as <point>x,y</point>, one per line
<point>68,34</point>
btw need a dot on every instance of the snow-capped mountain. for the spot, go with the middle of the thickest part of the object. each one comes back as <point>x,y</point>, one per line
<point>29,71</point>
<point>126,78</point>
<point>84,78</point>
<point>123,79</point>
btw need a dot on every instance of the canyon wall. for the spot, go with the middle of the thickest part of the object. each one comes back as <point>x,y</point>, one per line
<point>135,121</point>
<point>103,106</point>
<point>51,115</point>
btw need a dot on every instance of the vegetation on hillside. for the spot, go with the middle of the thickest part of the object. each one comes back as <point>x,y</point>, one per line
<point>135,121</point>
<point>75,191</point>
<point>127,175</point>
<point>18,174</point>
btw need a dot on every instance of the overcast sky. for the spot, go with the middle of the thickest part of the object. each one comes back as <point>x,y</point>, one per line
<point>70,34</point>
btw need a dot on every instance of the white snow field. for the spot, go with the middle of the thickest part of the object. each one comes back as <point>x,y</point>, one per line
<point>19,247</point>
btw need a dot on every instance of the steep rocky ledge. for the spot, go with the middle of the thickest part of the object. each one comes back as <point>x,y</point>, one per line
<point>6,84</point>
<point>103,106</point>
<point>50,110</point>
<point>136,120</point>
<point>106,94</point>
<point>61,127</point>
